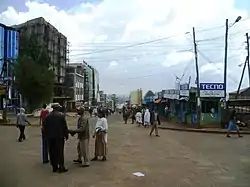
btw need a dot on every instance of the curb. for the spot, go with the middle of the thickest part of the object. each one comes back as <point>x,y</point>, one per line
<point>201,130</point>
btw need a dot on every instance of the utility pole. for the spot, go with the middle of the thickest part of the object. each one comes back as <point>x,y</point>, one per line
<point>198,109</point>
<point>248,58</point>
<point>242,75</point>
<point>225,62</point>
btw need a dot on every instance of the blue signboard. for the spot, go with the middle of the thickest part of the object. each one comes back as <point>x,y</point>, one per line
<point>148,99</point>
<point>1,47</point>
<point>184,90</point>
<point>212,89</point>
<point>184,87</point>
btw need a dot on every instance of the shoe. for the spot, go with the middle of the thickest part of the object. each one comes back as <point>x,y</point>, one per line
<point>62,170</point>
<point>20,140</point>
<point>104,158</point>
<point>77,161</point>
<point>85,165</point>
<point>228,136</point>
<point>45,162</point>
<point>240,136</point>
<point>55,170</point>
<point>157,135</point>
<point>94,159</point>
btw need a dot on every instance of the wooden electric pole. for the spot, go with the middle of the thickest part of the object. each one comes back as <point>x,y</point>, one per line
<point>244,67</point>
<point>198,109</point>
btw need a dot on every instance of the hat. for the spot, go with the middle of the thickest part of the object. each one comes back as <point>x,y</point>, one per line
<point>56,105</point>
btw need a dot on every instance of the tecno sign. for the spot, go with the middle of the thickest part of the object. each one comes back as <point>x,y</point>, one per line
<point>211,86</point>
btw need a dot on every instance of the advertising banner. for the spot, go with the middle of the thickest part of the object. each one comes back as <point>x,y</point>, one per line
<point>184,90</point>
<point>212,90</point>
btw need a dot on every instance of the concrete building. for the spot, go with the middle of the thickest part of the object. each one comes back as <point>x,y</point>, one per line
<point>74,81</point>
<point>88,83</point>
<point>95,86</point>
<point>56,43</point>
<point>103,98</point>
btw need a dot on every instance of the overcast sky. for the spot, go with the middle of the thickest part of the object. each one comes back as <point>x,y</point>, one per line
<point>106,34</point>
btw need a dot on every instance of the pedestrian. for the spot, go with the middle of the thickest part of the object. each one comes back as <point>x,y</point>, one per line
<point>146,118</point>
<point>56,132</point>
<point>232,125</point>
<point>83,138</point>
<point>21,123</point>
<point>45,151</point>
<point>125,113</point>
<point>138,118</point>
<point>155,121</point>
<point>133,114</point>
<point>101,137</point>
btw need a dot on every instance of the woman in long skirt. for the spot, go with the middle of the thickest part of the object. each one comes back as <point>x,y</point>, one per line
<point>101,137</point>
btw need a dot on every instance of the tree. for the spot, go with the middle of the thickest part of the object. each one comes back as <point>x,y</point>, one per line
<point>33,77</point>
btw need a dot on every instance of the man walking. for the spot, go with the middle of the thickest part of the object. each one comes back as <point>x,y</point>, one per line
<point>155,121</point>
<point>45,154</point>
<point>83,138</point>
<point>56,132</point>
<point>21,123</point>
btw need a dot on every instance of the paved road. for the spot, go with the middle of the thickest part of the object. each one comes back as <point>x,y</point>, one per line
<point>176,159</point>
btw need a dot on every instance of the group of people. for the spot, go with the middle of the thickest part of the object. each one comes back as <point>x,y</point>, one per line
<point>142,116</point>
<point>55,132</point>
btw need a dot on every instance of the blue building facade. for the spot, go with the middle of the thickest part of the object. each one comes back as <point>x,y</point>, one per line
<point>9,49</point>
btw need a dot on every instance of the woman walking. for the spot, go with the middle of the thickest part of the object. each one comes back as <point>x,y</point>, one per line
<point>45,150</point>
<point>101,137</point>
<point>233,124</point>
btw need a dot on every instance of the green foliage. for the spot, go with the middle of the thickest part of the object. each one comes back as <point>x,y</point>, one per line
<point>32,75</point>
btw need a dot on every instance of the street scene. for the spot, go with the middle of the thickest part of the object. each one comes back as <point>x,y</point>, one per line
<point>108,93</point>
<point>174,159</point>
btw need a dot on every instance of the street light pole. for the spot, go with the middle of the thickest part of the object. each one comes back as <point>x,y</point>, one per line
<point>225,61</point>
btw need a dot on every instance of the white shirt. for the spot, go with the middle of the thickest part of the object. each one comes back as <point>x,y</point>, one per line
<point>102,124</point>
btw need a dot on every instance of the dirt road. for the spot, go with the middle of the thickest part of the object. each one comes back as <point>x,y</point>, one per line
<point>175,159</point>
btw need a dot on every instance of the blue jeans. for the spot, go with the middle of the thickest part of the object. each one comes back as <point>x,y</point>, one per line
<point>45,154</point>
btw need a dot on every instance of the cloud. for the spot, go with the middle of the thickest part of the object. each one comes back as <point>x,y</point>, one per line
<point>93,30</point>
<point>113,63</point>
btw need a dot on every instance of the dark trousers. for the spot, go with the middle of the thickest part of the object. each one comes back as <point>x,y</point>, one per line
<point>133,119</point>
<point>56,152</point>
<point>22,135</point>
<point>45,153</point>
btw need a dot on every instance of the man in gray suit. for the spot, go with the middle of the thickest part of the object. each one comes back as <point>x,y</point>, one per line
<point>83,138</point>
<point>56,132</point>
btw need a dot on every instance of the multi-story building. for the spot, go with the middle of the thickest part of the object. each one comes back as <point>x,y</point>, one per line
<point>82,82</point>
<point>57,47</point>
<point>95,86</point>
<point>103,98</point>
<point>88,82</point>
<point>9,49</point>
<point>74,81</point>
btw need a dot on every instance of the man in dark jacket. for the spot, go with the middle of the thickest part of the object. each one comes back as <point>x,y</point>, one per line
<point>155,121</point>
<point>56,132</point>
